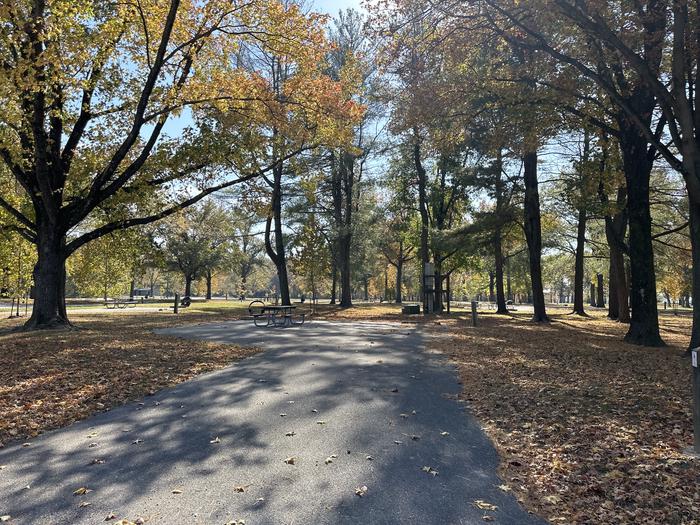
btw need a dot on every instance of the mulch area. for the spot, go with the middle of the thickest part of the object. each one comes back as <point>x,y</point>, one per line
<point>590,430</point>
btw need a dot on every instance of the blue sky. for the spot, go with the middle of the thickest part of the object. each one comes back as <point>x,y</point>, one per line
<point>333,6</point>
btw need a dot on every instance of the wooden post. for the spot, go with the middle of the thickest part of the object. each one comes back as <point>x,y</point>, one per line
<point>696,398</point>
<point>474,314</point>
<point>177,303</point>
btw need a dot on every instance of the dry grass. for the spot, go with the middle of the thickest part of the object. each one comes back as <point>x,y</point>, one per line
<point>590,429</point>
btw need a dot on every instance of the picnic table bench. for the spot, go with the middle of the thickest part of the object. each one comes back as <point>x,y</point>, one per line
<point>265,315</point>
<point>120,303</point>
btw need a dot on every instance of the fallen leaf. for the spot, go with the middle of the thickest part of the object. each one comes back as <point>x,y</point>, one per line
<point>320,422</point>
<point>239,488</point>
<point>484,505</point>
<point>215,440</point>
<point>290,460</point>
<point>137,441</point>
<point>430,470</point>
<point>177,491</point>
<point>5,517</point>
<point>283,415</point>
<point>486,517</point>
<point>81,491</point>
<point>444,434</point>
<point>110,516</point>
<point>290,434</point>
<point>505,488</point>
<point>361,491</point>
<point>397,442</point>
<point>369,458</point>
<point>84,504</point>
<point>97,461</point>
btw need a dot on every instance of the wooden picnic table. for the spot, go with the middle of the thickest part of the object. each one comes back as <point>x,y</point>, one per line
<point>120,303</point>
<point>273,315</point>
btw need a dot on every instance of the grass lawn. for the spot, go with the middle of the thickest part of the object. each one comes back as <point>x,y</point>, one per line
<point>590,429</point>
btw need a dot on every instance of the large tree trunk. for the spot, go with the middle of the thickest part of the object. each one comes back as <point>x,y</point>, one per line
<point>578,272</point>
<point>49,310</point>
<point>208,285</point>
<point>644,325</point>
<point>533,234</point>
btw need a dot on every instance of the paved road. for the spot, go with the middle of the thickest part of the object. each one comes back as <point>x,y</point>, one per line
<point>372,385</point>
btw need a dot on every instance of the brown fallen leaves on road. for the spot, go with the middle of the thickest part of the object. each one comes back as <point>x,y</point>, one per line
<point>589,429</point>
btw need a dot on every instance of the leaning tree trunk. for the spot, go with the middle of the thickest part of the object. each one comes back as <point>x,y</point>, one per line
<point>579,269</point>
<point>49,310</point>
<point>644,325</point>
<point>533,235</point>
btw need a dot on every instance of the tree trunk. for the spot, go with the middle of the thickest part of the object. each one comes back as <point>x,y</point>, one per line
<point>132,286</point>
<point>579,269</point>
<point>277,254</point>
<point>437,303</point>
<point>334,280</point>
<point>600,302</point>
<point>492,284</point>
<point>533,234</point>
<point>424,219</point>
<point>49,309</point>
<point>188,286</point>
<point>509,292</point>
<point>345,276</point>
<point>399,278</point>
<point>500,296</point>
<point>208,285</point>
<point>613,299</point>
<point>644,325</point>
<point>694,209</point>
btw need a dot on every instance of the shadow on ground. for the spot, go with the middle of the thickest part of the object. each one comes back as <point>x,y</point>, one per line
<point>367,406</point>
